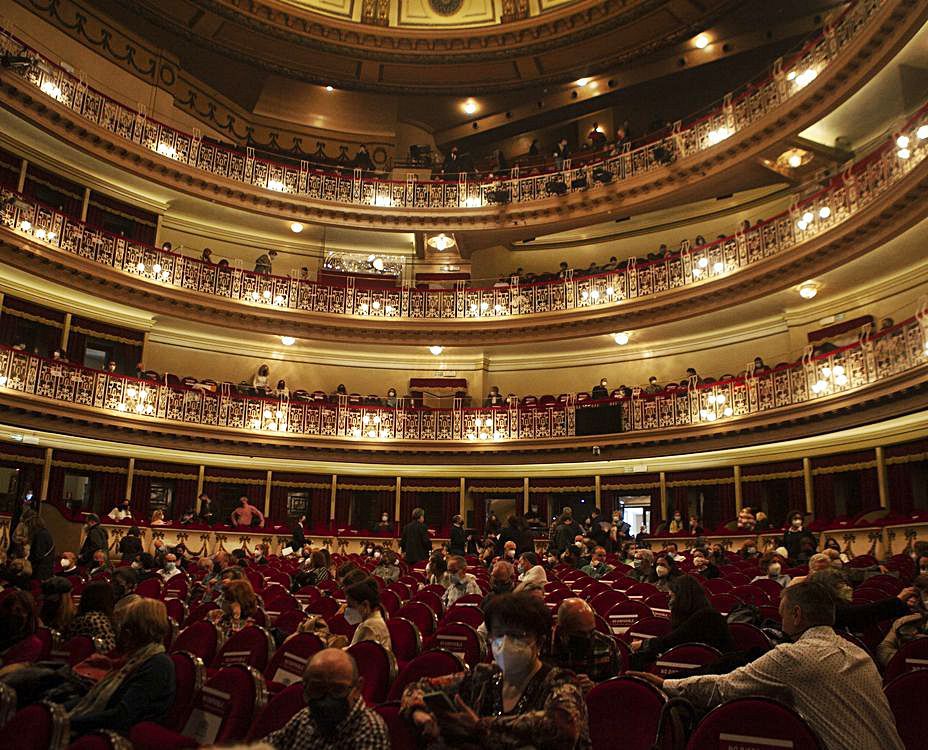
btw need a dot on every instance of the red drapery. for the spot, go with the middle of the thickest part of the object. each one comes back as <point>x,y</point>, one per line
<point>317,511</point>
<point>717,491</point>
<point>902,476</point>
<point>857,485</point>
<point>778,496</point>
<point>48,187</point>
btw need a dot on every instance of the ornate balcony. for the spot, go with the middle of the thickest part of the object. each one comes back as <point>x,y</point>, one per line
<point>768,255</point>
<point>770,395</point>
<point>360,199</point>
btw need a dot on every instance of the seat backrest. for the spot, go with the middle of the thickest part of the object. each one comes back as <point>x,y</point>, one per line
<point>101,739</point>
<point>376,667</point>
<point>200,639</point>
<point>176,586</point>
<point>724,603</point>
<point>683,657</point>
<point>747,636</point>
<point>79,648</point>
<point>717,586</point>
<point>391,602</point>
<point>913,655</point>
<point>659,604</point>
<point>472,616</point>
<point>640,591</point>
<point>288,622</point>
<point>280,709</point>
<point>252,646</point>
<point>402,734</point>
<point>771,724</point>
<point>906,695</point>
<point>150,588</point>
<point>430,599</point>
<point>290,660</point>
<point>626,702</point>
<point>307,594</point>
<point>29,649</point>
<point>325,606</point>
<point>434,663</point>
<point>177,610</point>
<point>461,640</point>
<point>624,614</point>
<point>405,638</point>
<point>421,615</point>
<point>189,674</point>
<point>751,594</point>
<point>41,726</point>
<point>649,627</point>
<point>225,707</point>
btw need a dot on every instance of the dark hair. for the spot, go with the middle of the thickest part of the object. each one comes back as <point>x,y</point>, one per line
<point>437,564</point>
<point>524,611</point>
<point>418,513</point>
<point>364,590</point>
<point>816,601</point>
<point>126,576</point>
<point>317,559</point>
<point>688,597</point>
<point>17,618</point>
<point>147,560</point>
<point>531,558</point>
<point>97,596</point>
<point>344,569</point>
<point>134,531</point>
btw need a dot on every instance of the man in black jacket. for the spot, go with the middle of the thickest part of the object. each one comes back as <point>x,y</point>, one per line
<point>297,535</point>
<point>458,543</point>
<point>96,539</point>
<point>41,550</point>
<point>415,541</point>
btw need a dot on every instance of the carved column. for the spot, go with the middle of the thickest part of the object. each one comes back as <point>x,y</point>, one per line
<point>130,475</point>
<point>332,492</point>
<point>809,487</point>
<point>598,491</point>
<point>65,332</point>
<point>663,491</point>
<point>46,475</point>
<point>85,204</point>
<point>739,497</point>
<point>525,495</point>
<point>267,494</point>
<point>881,480</point>
<point>397,499</point>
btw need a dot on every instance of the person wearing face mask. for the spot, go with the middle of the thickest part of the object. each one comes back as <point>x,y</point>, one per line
<point>922,566</point>
<point>703,566</point>
<point>771,567</point>
<point>597,567</point>
<point>124,581</point>
<point>384,525</point>
<point>238,607</point>
<point>797,539</point>
<point>387,568</point>
<point>95,539</point>
<point>908,627</point>
<point>578,646</point>
<point>642,565</point>
<point>120,511</point>
<point>139,687</point>
<point>68,565</point>
<point>335,717</point>
<point>518,701</point>
<point>676,523</point>
<point>363,609</point>
<point>858,617</point>
<point>663,572</point>
<point>458,542</point>
<point>833,684</point>
<point>170,568</point>
<point>462,582</point>
<point>314,572</point>
<point>99,564</point>
<point>501,582</point>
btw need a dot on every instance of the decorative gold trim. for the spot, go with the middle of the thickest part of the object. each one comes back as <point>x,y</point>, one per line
<point>302,485</point>
<point>426,488</point>
<point>234,480</point>
<point>92,467</point>
<point>844,467</point>
<point>491,490</point>
<point>907,458</point>
<point>107,336</point>
<point>772,475</point>
<point>21,459</point>
<point>163,474</point>
<point>367,487</point>
<point>638,486</point>
<point>701,482</point>
<point>563,488</point>
<point>34,318</point>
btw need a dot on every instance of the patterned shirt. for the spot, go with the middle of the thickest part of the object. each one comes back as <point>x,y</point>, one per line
<point>362,729</point>
<point>93,625</point>
<point>598,659</point>
<point>831,682</point>
<point>550,715</point>
<point>456,590</point>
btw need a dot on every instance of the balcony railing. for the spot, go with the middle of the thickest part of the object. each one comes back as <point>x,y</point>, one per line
<point>738,111</point>
<point>824,210</point>
<point>868,360</point>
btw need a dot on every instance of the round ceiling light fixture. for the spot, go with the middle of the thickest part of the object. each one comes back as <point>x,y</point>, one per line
<point>621,338</point>
<point>287,340</point>
<point>330,89</point>
<point>469,107</point>
<point>436,349</point>
<point>808,289</point>
<point>701,41</point>
<point>296,227</point>
<point>441,242</point>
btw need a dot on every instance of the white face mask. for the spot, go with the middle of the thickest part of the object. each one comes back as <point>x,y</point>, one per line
<point>170,567</point>
<point>774,569</point>
<point>662,570</point>
<point>352,616</point>
<point>376,555</point>
<point>65,562</point>
<point>514,656</point>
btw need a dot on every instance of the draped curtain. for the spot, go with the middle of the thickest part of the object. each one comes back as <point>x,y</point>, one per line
<point>9,169</point>
<point>126,343</point>
<point>121,218</point>
<point>141,497</point>
<point>718,495</point>
<point>858,485</point>
<point>48,187</point>
<point>777,496</point>
<point>903,476</point>
<point>38,327</point>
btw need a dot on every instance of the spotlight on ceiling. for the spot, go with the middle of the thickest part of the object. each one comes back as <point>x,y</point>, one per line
<point>287,340</point>
<point>330,89</point>
<point>808,289</point>
<point>621,338</point>
<point>701,41</point>
<point>436,349</point>
<point>296,227</point>
<point>469,107</point>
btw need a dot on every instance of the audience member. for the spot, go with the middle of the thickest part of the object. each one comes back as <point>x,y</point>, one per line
<point>415,541</point>
<point>264,261</point>
<point>799,542</point>
<point>335,717</point>
<point>833,684</point>
<point>57,603</point>
<point>96,539</point>
<point>501,582</point>
<point>908,627</point>
<point>364,610</point>
<point>437,570</point>
<point>95,615</point>
<point>600,391</point>
<point>703,566</point>
<point>457,545</point>
<point>771,566</point>
<point>598,566</point>
<point>462,582</point>
<point>157,518</point>
<point>246,514</point>
<point>388,569</point>
<point>676,523</point>
<point>170,568</point>
<point>120,511</point>
<point>124,581</point>
<point>131,544</point>
<point>41,546</point>
<point>578,646</point>
<point>238,607</point>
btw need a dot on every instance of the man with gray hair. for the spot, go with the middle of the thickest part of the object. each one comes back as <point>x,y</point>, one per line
<point>578,646</point>
<point>832,683</point>
<point>335,716</point>
<point>462,582</point>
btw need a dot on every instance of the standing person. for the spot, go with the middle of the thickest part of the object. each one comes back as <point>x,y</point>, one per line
<point>245,514</point>
<point>297,535</point>
<point>561,153</point>
<point>458,542</point>
<point>415,541</point>
<point>207,515</point>
<point>41,550</point>
<point>96,539</point>
<point>263,263</point>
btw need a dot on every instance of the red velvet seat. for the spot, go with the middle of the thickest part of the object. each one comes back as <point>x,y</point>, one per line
<point>906,695</point>
<point>461,640</point>
<point>252,646</point>
<point>659,604</point>
<point>102,739</point>
<point>376,667</point>
<point>289,622</point>
<point>177,587</point>
<point>402,735</point>
<point>421,615</point>
<point>150,588</point>
<point>49,640</point>
<point>626,702</point>
<point>913,655</point>
<point>223,712</point>
<point>771,724</point>
<point>326,606</point>
<point>41,726</point>
<point>770,587</point>
<point>751,594</point>
<point>199,611</point>
<point>430,599</point>
<point>177,610</point>
<point>683,657</point>
<point>306,595</point>
<point>290,660</point>
<point>717,586</point>
<point>390,601</point>
<point>201,639</point>
<point>405,639</point>
<point>724,603</point>
<point>430,664</point>
<point>280,709</point>
<point>747,636</point>
<point>606,600</point>
<point>471,599</point>
<point>472,616</point>
<point>640,591</point>
<point>625,614</point>
<point>27,650</point>
<point>649,627</point>
<point>79,648</point>
<point>189,675</point>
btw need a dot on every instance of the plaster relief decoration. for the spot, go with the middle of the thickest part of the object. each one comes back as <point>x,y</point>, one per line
<point>437,13</point>
<point>446,7</point>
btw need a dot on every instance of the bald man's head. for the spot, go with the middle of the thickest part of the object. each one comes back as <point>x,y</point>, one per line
<point>575,616</point>
<point>333,668</point>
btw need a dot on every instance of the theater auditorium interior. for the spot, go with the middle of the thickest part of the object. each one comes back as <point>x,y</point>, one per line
<point>463,374</point>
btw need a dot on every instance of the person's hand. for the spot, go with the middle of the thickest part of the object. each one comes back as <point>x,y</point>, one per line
<point>584,683</point>
<point>907,593</point>
<point>464,721</point>
<point>635,645</point>
<point>658,682</point>
<point>883,569</point>
<point>426,724</point>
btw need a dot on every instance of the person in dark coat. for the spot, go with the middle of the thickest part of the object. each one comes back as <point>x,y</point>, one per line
<point>96,539</point>
<point>415,541</point>
<point>799,542</point>
<point>207,514</point>
<point>297,536</point>
<point>131,544</point>
<point>458,543</point>
<point>564,536</point>
<point>41,550</point>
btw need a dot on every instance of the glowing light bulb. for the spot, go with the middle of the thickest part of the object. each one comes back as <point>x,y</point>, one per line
<point>621,338</point>
<point>903,153</point>
<point>824,212</point>
<point>902,141</point>
<point>140,267</point>
<point>718,267</point>
<point>701,41</point>
<point>922,132</point>
<point>436,350</point>
<point>287,340</point>
<point>795,161</point>
<point>703,262</point>
<point>25,225</point>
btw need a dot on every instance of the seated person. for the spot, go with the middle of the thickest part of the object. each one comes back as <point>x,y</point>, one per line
<point>95,615</point>
<point>140,688</point>
<point>170,568</point>
<point>746,520</point>
<point>388,569</point>
<point>771,566</point>
<point>676,523</point>
<point>494,398</point>
<point>462,582</point>
<point>246,514</point>
<point>68,563</point>
<point>597,567</point>
<point>157,518</point>
<point>703,566</point>
<point>833,684</point>
<point>17,621</point>
<point>364,610</point>
<point>315,571</point>
<point>693,620</point>
<point>513,702</point>
<point>437,570</point>
<point>238,607</point>
<point>908,627</point>
<point>578,646</point>
<point>120,511</point>
<point>600,391</point>
<point>664,571</point>
<point>99,563</point>
<point>335,713</point>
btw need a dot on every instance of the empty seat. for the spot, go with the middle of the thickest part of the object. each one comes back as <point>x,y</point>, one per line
<point>150,588</point>
<point>41,726</point>
<point>189,674</point>
<point>289,661</point>
<point>376,667</point>
<point>252,646</point>
<point>606,600</point>
<point>771,724</point>
<point>625,614</point>
<point>913,655</point>
<point>770,587</point>
<point>421,615</point>
<point>906,695</point>
<point>280,709</point>
<point>200,639</point>
<point>461,640</point>
<point>102,739</point>
<point>405,639</point>
<point>430,664</point>
<point>751,594</point>
<point>289,622</point>
<point>626,702</point>
<point>472,616</point>
<point>725,603</point>
<point>649,627</point>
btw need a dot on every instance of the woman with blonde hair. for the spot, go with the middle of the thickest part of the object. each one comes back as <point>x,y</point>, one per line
<point>140,688</point>
<point>239,606</point>
<point>157,518</point>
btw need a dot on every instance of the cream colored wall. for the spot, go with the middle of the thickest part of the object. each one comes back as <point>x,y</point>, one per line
<point>97,72</point>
